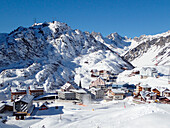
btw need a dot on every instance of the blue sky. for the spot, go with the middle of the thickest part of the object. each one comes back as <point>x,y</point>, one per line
<point>127,17</point>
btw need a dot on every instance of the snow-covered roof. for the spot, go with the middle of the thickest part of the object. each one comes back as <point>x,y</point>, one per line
<point>78,91</point>
<point>2,104</point>
<point>36,87</point>
<point>119,84</point>
<point>25,98</point>
<point>161,89</point>
<point>45,95</point>
<point>65,92</point>
<point>145,93</point>
<point>17,89</point>
<point>145,86</point>
<point>94,89</point>
<point>66,85</point>
<point>118,91</point>
<point>167,91</point>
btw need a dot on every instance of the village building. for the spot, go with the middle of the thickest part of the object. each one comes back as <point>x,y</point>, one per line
<point>23,106</point>
<point>16,92</point>
<point>147,96</point>
<point>164,100</point>
<point>166,94</point>
<point>148,72</point>
<point>143,87</point>
<point>107,76</point>
<point>6,106</point>
<point>43,107</point>
<point>36,90</point>
<point>116,94</point>
<point>66,95</point>
<point>66,87</point>
<point>97,93</point>
<point>80,93</point>
<point>99,83</point>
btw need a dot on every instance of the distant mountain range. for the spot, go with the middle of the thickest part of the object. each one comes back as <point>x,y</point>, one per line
<point>140,51</point>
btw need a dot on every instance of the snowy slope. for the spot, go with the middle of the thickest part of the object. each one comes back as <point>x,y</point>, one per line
<point>104,115</point>
<point>150,50</point>
<point>140,51</point>
<point>50,54</point>
<point>162,81</point>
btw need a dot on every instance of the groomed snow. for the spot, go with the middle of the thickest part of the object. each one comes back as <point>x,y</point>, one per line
<point>103,115</point>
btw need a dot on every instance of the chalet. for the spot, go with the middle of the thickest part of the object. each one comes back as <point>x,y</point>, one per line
<point>145,87</point>
<point>157,91</point>
<point>164,100</point>
<point>166,94</point>
<point>116,94</point>
<point>6,106</point>
<point>67,86</point>
<point>16,92</point>
<point>23,106</point>
<point>36,90</point>
<point>160,91</point>
<point>147,96</point>
<point>148,72</point>
<point>66,95</point>
<point>79,93</point>
<point>99,83</point>
<point>97,93</point>
<point>140,88</point>
<point>43,107</point>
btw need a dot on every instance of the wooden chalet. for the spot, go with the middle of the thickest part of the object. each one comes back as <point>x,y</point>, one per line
<point>140,88</point>
<point>166,93</point>
<point>67,86</point>
<point>7,106</point>
<point>146,96</point>
<point>98,83</point>
<point>97,93</point>
<point>160,91</point>
<point>36,90</point>
<point>116,94</point>
<point>155,90</point>
<point>66,95</point>
<point>80,93</point>
<point>16,92</point>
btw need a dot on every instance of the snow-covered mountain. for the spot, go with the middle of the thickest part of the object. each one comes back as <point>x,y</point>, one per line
<point>51,54</point>
<point>149,50</point>
<point>114,41</point>
<point>140,51</point>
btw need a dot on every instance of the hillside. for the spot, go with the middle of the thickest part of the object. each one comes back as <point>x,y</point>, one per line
<point>140,51</point>
<point>150,50</point>
<point>51,54</point>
